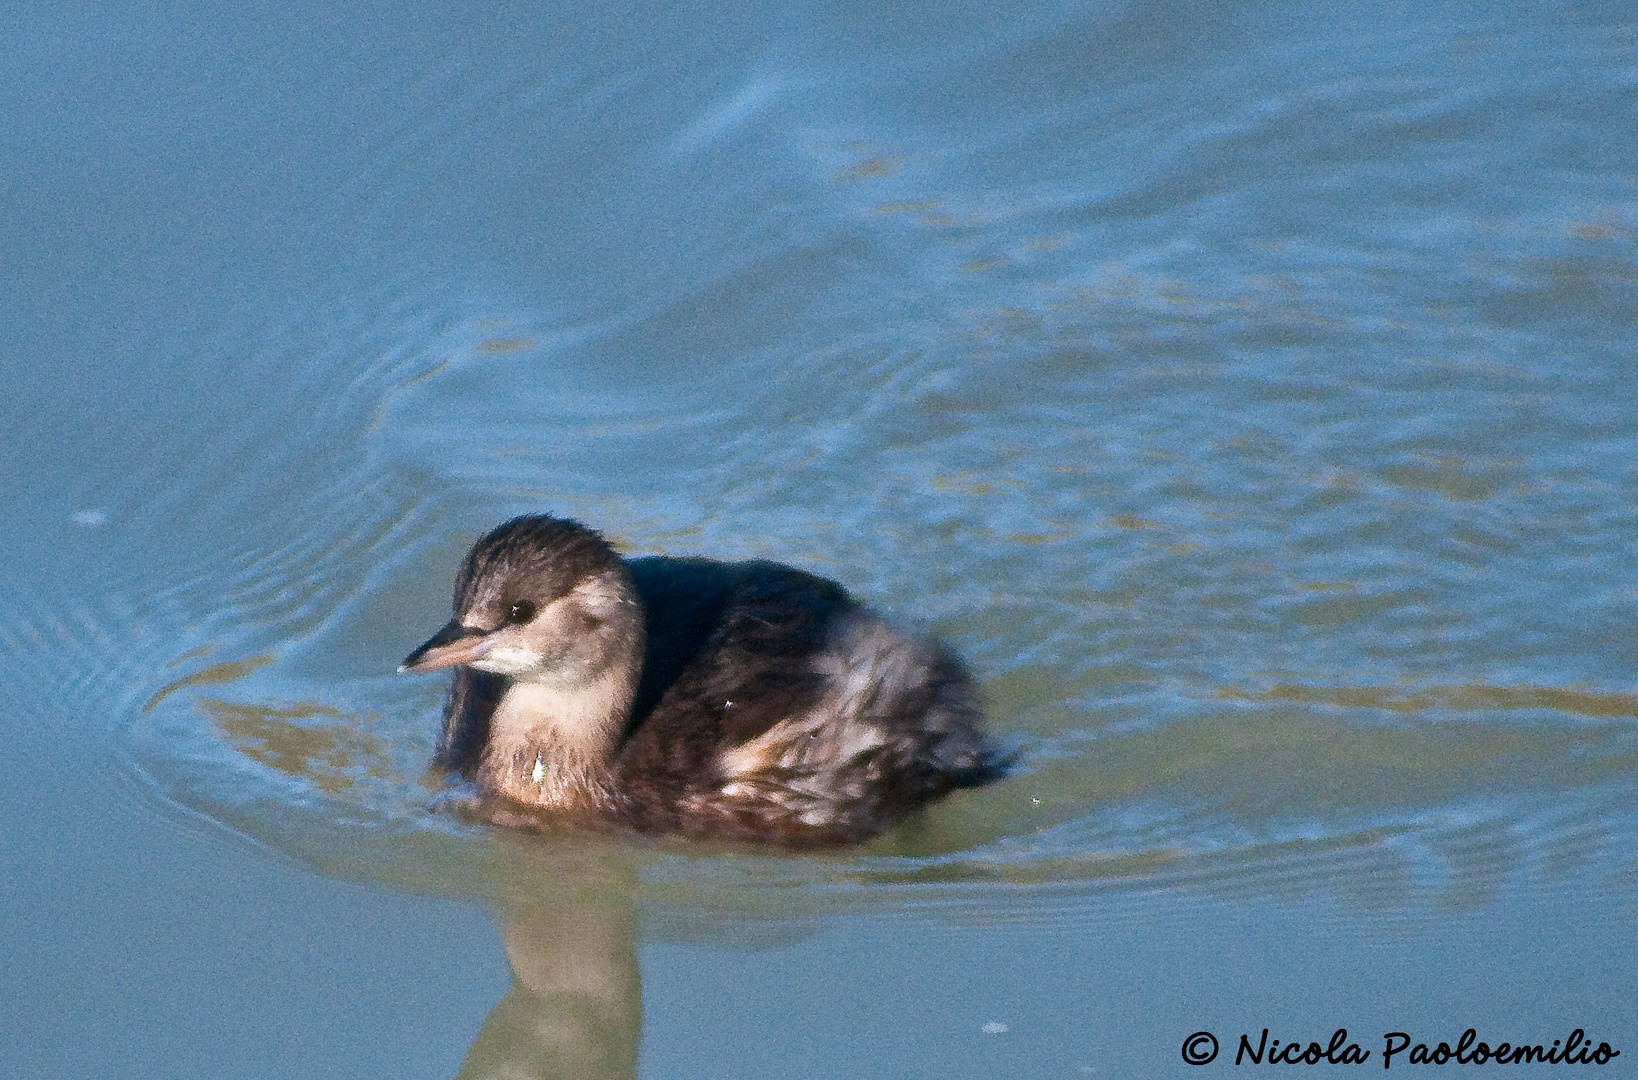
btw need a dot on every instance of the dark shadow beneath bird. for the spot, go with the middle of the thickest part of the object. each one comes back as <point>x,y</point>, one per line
<point>677,695</point>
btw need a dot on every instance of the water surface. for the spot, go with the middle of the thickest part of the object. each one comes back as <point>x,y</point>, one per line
<point>1244,389</point>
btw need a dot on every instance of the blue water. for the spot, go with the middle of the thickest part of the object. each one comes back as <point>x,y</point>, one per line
<point>1244,389</point>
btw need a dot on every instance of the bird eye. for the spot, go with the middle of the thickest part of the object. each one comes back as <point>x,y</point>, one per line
<point>521,612</point>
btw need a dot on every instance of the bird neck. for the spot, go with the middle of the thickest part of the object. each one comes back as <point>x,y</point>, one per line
<point>553,744</point>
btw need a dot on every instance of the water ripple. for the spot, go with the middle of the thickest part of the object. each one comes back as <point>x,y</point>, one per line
<point>1261,438</point>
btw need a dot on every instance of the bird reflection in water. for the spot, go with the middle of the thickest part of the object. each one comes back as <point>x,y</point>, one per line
<point>575,1008</point>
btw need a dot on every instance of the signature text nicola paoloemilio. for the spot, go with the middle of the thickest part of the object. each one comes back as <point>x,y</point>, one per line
<point>1400,1048</point>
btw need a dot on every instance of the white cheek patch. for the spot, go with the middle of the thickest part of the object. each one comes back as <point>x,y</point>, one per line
<point>553,646</point>
<point>599,598</point>
<point>507,660</point>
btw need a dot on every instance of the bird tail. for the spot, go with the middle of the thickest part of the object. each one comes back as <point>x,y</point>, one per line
<point>991,763</point>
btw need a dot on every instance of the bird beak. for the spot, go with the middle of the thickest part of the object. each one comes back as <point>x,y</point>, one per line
<point>454,644</point>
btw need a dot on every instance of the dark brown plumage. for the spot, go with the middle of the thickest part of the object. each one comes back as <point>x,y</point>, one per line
<point>743,700</point>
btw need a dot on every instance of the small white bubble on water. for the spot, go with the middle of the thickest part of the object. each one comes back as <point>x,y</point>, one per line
<point>91,518</point>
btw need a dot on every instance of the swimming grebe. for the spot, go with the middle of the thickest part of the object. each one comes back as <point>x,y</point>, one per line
<point>745,700</point>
